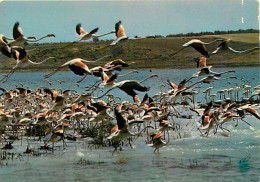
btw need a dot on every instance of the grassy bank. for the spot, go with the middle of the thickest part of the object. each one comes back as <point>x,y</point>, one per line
<point>149,53</point>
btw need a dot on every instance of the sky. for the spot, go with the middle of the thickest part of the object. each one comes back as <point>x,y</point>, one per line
<point>139,18</point>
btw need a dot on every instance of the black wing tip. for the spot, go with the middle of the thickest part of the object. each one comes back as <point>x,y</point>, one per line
<point>94,31</point>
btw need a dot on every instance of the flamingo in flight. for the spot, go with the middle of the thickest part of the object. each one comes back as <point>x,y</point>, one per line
<point>85,35</point>
<point>224,46</point>
<point>78,66</point>
<point>158,142</point>
<point>128,86</point>
<point>121,131</point>
<point>198,45</point>
<point>117,64</point>
<point>20,39</point>
<point>203,69</point>
<point>5,48</point>
<point>211,78</point>
<point>22,61</point>
<point>120,33</point>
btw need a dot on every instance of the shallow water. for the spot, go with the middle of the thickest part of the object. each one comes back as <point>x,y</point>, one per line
<point>233,156</point>
<point>217,158</point>
<point>35,80</point>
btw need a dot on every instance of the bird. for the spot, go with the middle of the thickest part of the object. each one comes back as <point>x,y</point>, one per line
<point>123,131</point>
<point>158,142</point>
<point>22,61</point>
<point>4,47</point>
<point>227,117</point>
<point>120,33</point>
<point>224,46</point>
<point>53,136</point>
<point>117,64</point>
<point>78,66</point>
<point>85,35</point>
<point>128,86</point>
<point>198,45</point>
<point>211,78</point>
<point>247,109</point>
<point>203,69</point>
<point>20,39</point>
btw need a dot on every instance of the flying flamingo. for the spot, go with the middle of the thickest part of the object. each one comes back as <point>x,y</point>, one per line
<point>85,35</point>
<point>117,64</point>
<point>128,86</point>
<point>121,131</point>
<point>211,78</point>
<point>4,47</point>
<point>120,33</point>
<point>198,45</point>
<point>246,108</point>
<point>22,61</point>
<point>20,39</point>
<point>158,142</point>
<point>203,69</point>
<point>224,46</point>
<point>78,67</point>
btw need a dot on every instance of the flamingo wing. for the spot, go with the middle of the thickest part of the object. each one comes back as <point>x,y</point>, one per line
<point>121,122</point>
<point>80,30</point>
<point>17,31</point>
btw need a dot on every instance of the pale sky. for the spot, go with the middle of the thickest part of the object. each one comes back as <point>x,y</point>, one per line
<point>141,18</point>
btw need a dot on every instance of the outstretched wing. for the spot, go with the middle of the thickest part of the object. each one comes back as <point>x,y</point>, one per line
<point>17,31</point>
<point>121,122</point>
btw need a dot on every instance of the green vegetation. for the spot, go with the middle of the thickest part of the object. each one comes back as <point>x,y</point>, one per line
<point>148,53</point>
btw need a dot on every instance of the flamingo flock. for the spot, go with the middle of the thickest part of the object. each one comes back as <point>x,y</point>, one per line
<point>51,115</point>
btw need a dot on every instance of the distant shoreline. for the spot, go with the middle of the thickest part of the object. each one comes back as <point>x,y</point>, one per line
<point>148,53</point>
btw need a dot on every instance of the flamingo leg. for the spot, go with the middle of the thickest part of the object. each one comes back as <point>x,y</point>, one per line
<point>246,122</point>
<point>82,78</point>
<point>52,73</point>
<point>6,77</point>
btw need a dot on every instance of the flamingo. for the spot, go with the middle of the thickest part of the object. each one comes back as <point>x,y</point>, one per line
<point>4,47</point>
<point>117,64</point>
<point>121,131</point>
<point>211,78</point>
<point>224,46</point>
<point>120,33</point>
<point>198,45</point>
<point>22,61</point>
<point>247,108</point>
<point>158,142</point>
<point>78,67</point>
<point>207,92</point>
<point>53,136</point>
<point>20,39</point>
<point>92,34</point>
<point>85,35</point>
<point>129,87</point>
<point>207,71</point>
<point>227,117</point>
